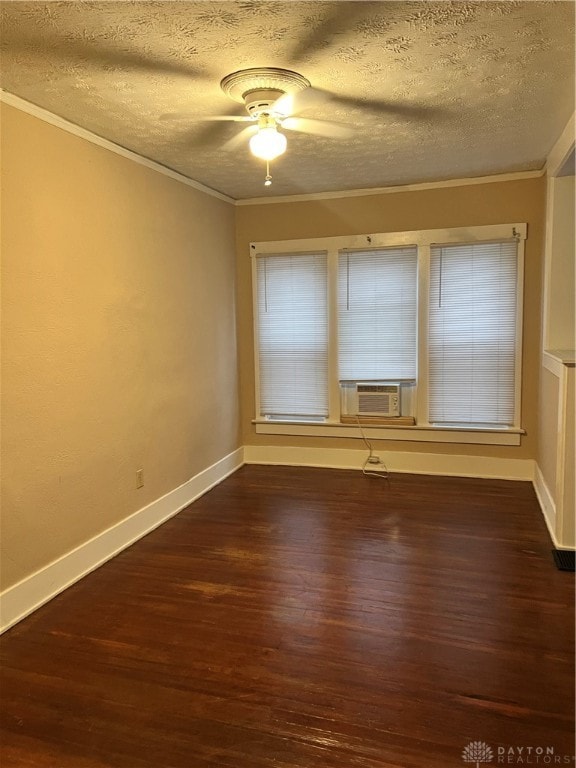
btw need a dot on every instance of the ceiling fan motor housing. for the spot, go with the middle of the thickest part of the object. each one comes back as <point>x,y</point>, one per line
<point>259,101</point>
<point>259,88</point>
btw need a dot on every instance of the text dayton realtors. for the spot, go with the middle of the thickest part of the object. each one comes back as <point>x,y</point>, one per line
<point>531,756</point>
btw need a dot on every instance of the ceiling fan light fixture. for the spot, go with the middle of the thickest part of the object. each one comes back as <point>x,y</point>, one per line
<point>268,144</point>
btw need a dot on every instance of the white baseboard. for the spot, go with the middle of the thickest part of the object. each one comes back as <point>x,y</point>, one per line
<point>23,598</point>
<point>396,461</point>
<point>547,504</point>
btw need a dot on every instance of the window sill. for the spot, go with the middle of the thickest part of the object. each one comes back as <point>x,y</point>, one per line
<point>417,433</point>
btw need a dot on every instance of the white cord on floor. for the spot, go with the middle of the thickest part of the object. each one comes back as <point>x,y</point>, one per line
<point>383,475</point>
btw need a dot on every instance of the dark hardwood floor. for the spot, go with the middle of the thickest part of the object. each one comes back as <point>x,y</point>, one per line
<point>305,618</point>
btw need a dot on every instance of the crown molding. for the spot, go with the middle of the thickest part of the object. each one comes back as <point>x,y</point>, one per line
<point>562,148</point>
<point>495,179</point>
<point>59,122</point>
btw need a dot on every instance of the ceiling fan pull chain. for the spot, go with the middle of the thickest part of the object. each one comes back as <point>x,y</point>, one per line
<point>268,179</point>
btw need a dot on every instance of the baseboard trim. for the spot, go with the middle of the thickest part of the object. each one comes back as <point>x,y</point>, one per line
<point>396,461</point>
<point>547,504</point>
<point>31,593</point>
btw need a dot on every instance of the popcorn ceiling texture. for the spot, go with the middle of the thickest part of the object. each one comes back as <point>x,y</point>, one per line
<point>465,88</point>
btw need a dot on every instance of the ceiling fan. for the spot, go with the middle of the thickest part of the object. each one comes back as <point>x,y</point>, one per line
<point>273,99</point>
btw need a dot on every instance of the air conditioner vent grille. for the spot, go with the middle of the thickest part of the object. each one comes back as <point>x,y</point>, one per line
<point>378,399</point>
<point>378,404</point>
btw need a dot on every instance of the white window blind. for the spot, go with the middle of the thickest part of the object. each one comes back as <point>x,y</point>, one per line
<point>377,314</point>
<point>472,333</point>
<point>293,335</point>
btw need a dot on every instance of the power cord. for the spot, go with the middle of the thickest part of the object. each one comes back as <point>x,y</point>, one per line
<point>371,459</point>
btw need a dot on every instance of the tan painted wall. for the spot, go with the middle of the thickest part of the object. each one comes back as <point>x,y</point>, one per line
<point>548,429</point>
<point>567,533</point>
<point>118,339</point>
<point>494,203</point>
<point>561,275</point>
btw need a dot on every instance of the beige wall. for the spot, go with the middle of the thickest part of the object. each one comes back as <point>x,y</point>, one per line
<point>548,428</point>
<point>567,528</point>
<point>558,324</point>
<point>556,447</point>
<point>494,203</point>
<point>118,339</point>
<point>560,320</point>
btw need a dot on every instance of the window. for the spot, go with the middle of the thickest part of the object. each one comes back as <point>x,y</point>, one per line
<point>472,333</point>
<point>293,335</point>
<point>377,314</point>
<point>437,312</point>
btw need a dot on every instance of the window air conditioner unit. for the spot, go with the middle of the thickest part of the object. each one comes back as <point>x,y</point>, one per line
<point>377,399</point>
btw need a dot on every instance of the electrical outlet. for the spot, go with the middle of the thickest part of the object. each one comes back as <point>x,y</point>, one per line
<point>139,478</point>
<point>374,460</point>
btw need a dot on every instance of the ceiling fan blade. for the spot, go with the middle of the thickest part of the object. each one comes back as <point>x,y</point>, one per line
<point>240,138</point>
<point>228,118</point>
<point>389,107</point>
<point>193,117</point>
<point>293,103</point>
<point>340,19</point>
<point>214,131</point>
<point>98,53</point>
<point>317,127</point>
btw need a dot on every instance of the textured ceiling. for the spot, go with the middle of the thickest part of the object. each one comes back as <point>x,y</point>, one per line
<point>433,90</point>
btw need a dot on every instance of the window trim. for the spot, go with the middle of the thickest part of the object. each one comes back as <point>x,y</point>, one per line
<point>417,433</point>
<point>423,240</point>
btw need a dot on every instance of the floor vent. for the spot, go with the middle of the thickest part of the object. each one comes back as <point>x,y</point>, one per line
<point>564,559</point>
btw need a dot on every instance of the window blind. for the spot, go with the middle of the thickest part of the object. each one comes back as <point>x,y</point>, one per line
<point>472,333</point>
<point>377,314</point>
<point>293,335</point>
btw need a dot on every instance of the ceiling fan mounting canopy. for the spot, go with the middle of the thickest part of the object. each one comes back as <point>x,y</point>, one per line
<point>259,88</point>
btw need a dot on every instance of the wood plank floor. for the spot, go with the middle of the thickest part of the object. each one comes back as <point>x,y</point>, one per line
<point>305,618</point>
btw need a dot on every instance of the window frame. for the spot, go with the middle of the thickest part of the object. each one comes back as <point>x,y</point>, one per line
<point>423,430</point>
